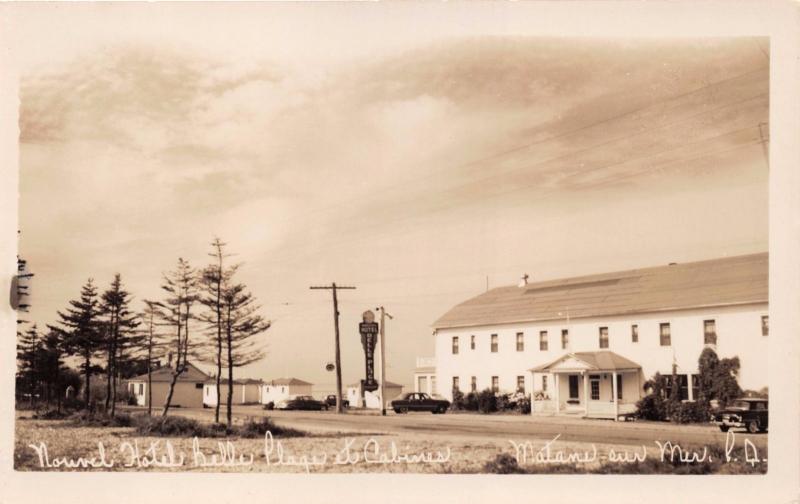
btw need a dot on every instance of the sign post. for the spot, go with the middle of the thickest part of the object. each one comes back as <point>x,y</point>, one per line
<point>369,335</point>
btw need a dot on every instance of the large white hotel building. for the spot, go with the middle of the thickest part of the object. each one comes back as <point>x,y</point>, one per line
<point>586,345</point>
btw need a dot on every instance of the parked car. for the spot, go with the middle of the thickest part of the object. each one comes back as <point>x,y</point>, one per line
<point>330,402</point>
<point>419,401</point>
<point>748,412</point>
<point>300,402</point>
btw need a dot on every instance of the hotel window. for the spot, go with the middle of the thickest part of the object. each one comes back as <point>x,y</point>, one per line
<point>520,342</point>
<point>495,384</point>
<point>695,386</point>
<point>664,334</point>
<point>455,383</point>
<point>521,384</point>
<point>765,325</point>
<point>472,342</point>
<point>141,388</point>
<point>455,345</point>
<point>473,384</point>
<point>542,340</point>
<point>494,343</point>
<point>709,332</point>
<point>594,381</point>
<point>564,338</point>
<point>635,333</point>
<point>604,337</point>
<point>683,387</point>
<point>544,383</point>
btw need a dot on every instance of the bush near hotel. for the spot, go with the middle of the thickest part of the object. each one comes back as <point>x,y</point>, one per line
<point>487,401</point>
<point>717,382</point>
<point>459,401</point>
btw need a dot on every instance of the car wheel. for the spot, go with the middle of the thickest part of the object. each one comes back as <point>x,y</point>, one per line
<point>752,427</point>
<point>443,410</point>
<point>724,428</point>
<point>403,410</point>
<point>397,410</point>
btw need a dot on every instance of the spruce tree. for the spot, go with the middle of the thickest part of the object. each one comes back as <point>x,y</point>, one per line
<point>119,325</point>
<point>28,344</point>
<point>242,324</point>
<point>80,329</point>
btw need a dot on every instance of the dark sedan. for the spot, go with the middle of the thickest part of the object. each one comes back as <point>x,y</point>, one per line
<point>419,401</point>
<point>300,402</point>
<point>330,402</point>
<point>750,413</point>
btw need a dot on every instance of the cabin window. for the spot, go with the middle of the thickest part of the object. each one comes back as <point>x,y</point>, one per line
<point>635,333</point>
<point>520,342</point>
<point>455,345</point>
<point>141,388</point>
<point>619,386</point>
<point>544,383</point>
<point>198,385</point>
<point>494,343</point>
<point>543,340</point>
<point>709,332</point>
<point>665,334</point>
<point>564,338</point>
<point>604,337</point>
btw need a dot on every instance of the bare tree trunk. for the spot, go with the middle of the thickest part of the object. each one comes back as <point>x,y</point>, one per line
<point>150,374</point>
<point>87,372</point>
<point>230,372</point>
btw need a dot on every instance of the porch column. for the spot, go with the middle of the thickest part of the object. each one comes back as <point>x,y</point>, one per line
<point>557,384</point>
<point>533,387</point>
<point>614,392</point>
<point>585,393</point>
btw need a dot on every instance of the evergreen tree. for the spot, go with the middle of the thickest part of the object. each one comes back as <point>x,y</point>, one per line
<point>181,288</point>
<point>151,344</point>
<point>213,281</point>
<point>52,368</point>
<point>79,328</point>
<point>119,325</point>
<point>28,344</point>
<point>242,324</point>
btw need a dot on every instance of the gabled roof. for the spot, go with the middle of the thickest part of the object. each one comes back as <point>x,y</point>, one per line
<point>242,381</point>
<point>164,374</point>
<point>718,282</point>
<point>603,360</point>
<point>287,381</point>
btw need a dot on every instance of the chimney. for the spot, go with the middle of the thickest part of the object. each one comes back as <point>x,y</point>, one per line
<point>524,280</point>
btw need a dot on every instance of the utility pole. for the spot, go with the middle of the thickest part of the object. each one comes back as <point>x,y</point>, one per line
<point>334,288</point>
<point>383,357</point>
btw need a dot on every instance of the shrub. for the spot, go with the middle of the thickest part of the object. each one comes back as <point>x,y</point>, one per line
<point>257,428</point>
<point>503,463</point>
<point>524,405</point>
<point>651,407</point>
<point>176,426</point>
<point>49,414</point>
<point>471,402</point>
<point>487,401</point>
<point>91,419</point>
<point>270,405</point>
<point>458,403</point>
<point>689,412</point>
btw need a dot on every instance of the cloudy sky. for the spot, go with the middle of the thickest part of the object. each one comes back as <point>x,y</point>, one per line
<point>413,161</point>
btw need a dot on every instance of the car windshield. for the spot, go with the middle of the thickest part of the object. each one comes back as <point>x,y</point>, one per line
<point>742,405</point>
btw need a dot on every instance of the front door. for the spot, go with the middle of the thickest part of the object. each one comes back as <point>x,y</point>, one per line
<point>594,387</point>
<point>573,386</point>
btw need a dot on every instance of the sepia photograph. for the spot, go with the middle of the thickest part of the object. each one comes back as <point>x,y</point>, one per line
<point>315,241</point>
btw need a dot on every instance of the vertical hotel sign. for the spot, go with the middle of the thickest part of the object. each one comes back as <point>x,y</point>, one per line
<point>369,337</point>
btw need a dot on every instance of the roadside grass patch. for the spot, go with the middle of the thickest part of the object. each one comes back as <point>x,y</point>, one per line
<point>178,426</point>
<point>91,419</point>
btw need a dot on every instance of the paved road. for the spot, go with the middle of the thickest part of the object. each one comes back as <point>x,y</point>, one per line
<point>513,427</point>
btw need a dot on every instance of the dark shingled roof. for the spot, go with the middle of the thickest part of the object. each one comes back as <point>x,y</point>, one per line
<point>164,374</point>
<point>603,360</point>
<point>716,282</point>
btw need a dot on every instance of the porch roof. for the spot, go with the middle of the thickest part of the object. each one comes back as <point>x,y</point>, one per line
<point>595,361</point>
